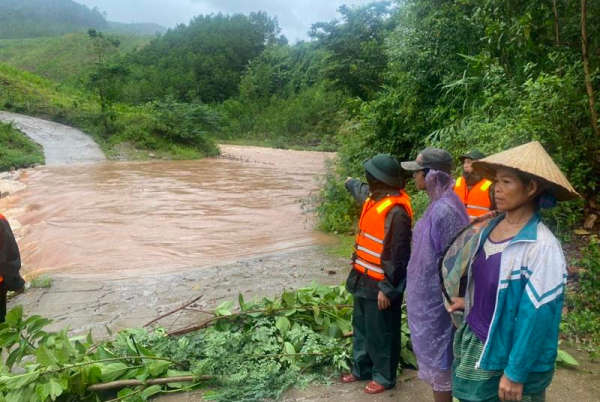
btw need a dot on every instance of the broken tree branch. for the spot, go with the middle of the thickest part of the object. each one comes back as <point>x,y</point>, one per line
<point>156,381</point>
<point>212,320</point>
<point>172,312</point>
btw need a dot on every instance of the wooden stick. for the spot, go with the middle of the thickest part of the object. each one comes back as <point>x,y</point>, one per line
<point>172,312</point>
<point>156,381</point>
<point>200,310</point>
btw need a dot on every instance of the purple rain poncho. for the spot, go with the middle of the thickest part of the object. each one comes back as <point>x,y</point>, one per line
<point>430,325</point>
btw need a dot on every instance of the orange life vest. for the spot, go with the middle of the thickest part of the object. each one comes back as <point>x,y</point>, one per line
<point>477,200</point>
<point>371,233</point>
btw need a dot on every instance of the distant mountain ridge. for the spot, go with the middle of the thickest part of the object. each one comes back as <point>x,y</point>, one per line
<point>45,18</point>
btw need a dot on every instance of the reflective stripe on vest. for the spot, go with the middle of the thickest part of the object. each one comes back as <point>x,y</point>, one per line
<point>369,240</point>
<point>477,200</point>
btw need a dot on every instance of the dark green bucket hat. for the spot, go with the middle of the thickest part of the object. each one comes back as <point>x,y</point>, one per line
<point>386,169</point>
<point>473,154</point>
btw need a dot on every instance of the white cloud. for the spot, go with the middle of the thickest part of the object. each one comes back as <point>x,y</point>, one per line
<point>295,17</point>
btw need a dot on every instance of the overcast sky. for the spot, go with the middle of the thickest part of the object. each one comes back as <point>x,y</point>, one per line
<point>295,16</point>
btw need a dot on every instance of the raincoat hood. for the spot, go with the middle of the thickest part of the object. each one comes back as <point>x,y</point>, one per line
<point>438,183</point>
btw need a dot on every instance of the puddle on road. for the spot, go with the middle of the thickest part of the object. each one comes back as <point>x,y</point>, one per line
<point>129,219</point>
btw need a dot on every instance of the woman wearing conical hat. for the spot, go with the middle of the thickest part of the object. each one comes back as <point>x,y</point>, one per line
<point>506,347</point>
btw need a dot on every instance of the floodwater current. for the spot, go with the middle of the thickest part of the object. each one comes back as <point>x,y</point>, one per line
<point>127,219</point>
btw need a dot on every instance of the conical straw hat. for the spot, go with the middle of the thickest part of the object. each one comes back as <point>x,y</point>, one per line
<point>533,159</point>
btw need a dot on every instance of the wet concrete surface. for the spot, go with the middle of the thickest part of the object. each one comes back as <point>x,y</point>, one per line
<point>85,303</point>
<point>63,145</point>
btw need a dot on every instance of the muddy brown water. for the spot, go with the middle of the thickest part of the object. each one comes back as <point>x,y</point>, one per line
<point>120,220</point>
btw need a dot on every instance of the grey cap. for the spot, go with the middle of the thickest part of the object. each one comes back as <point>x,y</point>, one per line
<point>431,158</point>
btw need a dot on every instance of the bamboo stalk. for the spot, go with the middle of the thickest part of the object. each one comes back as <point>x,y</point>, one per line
<point>156,381</point>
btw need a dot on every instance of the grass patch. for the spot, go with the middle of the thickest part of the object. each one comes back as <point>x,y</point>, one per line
<point>17,150</point>
<point>41,282</point>
<point>344,249</point>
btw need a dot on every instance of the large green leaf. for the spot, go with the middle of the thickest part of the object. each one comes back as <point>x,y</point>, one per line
<point>112,371</point>
<point>283,325</point>
<point>35,323</point>
<point>19,381</point>
<point>45,357</point>
<point>289,348</point>
<point>566,359</point>
<point>14,316</point>
<point>148,392</point>
<point>22,394</point>
<point>53,389</point>
<point>157,367</point>
<point>289,298</point>
<point>224,308</point>
<point>8,338</point>
<point>94,374</point>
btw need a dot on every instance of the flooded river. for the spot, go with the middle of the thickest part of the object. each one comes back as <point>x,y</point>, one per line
<point>120,220</point>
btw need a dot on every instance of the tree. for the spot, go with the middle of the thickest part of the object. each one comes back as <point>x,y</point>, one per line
<point>107,77</point>
<point>203,60</point>
<point>356,44</point>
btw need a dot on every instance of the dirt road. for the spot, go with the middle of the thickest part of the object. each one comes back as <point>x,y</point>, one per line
<point>62,144</point>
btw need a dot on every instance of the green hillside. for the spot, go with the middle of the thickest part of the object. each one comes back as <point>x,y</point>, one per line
<point>36,18</point>
<point>133,131</point>
<point>66,59</point>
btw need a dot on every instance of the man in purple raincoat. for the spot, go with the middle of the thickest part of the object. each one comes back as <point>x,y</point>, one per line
<point>430,324</point>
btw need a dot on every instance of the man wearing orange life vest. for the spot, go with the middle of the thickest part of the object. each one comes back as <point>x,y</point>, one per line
<point>378,274</point>
<point>473,190</point>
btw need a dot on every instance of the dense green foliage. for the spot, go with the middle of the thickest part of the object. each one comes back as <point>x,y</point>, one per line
<point>200,61</point>
<point>477,74</point>
<point>582,322</point>
<point>285,95</point>
<point>256,352</point>
<point>36,18</point>
<point>355,45</point>
<point>17,150</point>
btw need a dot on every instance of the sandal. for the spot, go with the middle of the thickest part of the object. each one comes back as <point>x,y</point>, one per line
<point>348,378</point>
<point>374,388</point>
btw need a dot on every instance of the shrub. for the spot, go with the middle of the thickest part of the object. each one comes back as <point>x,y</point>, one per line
<point>17,150</point>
